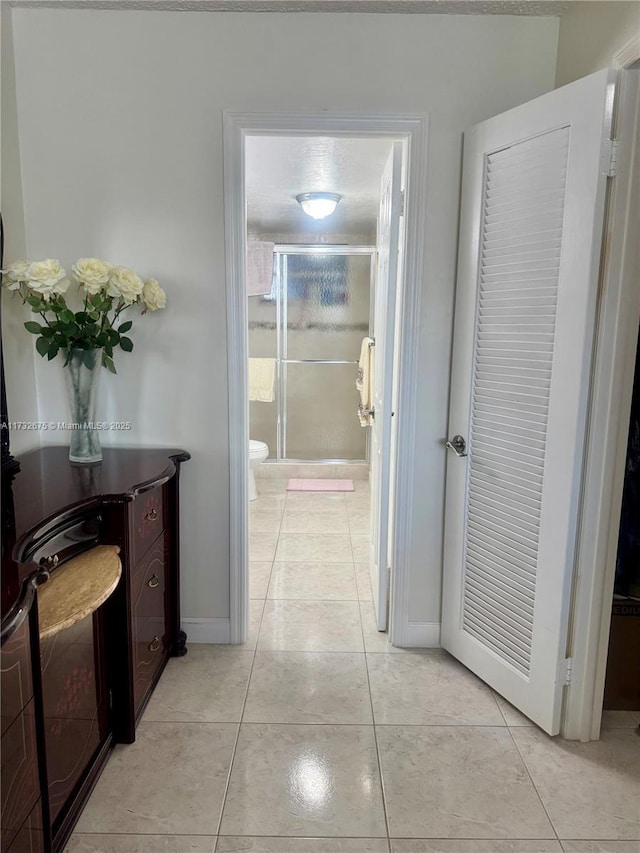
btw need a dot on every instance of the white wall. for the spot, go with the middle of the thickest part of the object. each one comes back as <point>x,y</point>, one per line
<point>591,33</point>
<point>120,118</point>
<point>18,345</point>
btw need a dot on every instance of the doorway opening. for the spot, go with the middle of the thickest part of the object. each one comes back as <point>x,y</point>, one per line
<point>298,337</point>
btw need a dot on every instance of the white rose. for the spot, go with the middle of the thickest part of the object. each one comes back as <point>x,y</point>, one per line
<point>92,274</point>
<point>153,295</point>
<point>125,283</point>
<point>47,278</point>
<point>15,274</point>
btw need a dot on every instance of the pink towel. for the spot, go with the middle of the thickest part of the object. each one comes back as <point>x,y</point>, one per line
<point>259,268</point>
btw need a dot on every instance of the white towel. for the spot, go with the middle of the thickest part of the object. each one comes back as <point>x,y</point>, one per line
<point>262,379</point>
<point>364,382</point>
<point>259,268</point>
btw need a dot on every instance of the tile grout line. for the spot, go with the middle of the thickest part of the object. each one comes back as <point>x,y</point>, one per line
<point>365,837</point>
<point>535,787</point>
<point>375,740</point>
<point>499,707</point>
<point>235,745</point>
<point>373,722</point>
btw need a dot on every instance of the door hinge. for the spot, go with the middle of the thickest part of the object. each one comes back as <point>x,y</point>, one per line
<point>568,670</point>
<point>401,208</point>
<point>611,158</point>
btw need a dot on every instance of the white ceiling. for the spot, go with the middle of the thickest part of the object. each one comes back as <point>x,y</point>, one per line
<point>281,167</point>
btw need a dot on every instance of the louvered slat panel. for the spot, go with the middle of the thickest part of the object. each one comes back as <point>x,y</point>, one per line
<point>495,482</point>
<point>493,581</point>
<point>496,508</point>
<point>547,237</point>
<point>523,208</point>
<point>493,516</point>
<point>508,417</point>
<point>499,573</point>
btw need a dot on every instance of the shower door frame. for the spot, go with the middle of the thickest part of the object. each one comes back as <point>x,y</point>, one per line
<point>282,360</point>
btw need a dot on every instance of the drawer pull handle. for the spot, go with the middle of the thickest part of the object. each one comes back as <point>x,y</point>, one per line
<point>154,645</point>
<point>152,515</point>
<point>153,581</point>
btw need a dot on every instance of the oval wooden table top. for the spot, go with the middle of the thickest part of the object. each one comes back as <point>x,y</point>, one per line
<point>78,588</point>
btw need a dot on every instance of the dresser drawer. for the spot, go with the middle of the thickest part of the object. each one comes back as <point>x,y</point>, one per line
<point>148,520</point>
<point>16,686</point>
<point>20,780</point>
<point>150,630</point>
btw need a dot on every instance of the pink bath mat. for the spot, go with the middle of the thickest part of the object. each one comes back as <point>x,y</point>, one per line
<point>320,485</point>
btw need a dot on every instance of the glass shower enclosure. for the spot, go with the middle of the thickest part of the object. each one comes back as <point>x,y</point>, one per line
<point>312,323</point>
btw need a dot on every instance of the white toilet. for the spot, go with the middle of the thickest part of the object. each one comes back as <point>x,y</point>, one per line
<point>258,452</point>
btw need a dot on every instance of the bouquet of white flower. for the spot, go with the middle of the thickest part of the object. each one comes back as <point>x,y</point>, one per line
<point>106,291</point>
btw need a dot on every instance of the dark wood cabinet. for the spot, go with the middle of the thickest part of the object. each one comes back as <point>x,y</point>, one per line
<point>75,692</point>
<point>151,638</point>
<point>69,697</point>
<point>20,791</point>
<point>16,678</point>
<point>31,836</point>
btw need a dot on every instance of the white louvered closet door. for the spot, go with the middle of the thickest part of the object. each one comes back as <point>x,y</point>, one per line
<point>534,184</point>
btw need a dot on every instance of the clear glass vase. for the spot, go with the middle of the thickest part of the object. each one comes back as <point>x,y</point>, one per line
<point>82,376</point>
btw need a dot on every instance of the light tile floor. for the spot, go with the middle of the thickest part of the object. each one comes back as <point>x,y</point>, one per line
<point>317,736</point>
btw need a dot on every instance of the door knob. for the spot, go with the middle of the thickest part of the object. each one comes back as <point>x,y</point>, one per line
<point>458,445</point>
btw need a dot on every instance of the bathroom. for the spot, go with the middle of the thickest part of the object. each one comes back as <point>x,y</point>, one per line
<point>311,299</point>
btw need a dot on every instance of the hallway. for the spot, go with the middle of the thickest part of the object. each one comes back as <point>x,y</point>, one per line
<point>317,736</point>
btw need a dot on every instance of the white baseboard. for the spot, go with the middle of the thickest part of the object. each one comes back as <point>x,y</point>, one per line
<point>207,630</point>
<point>422,635</point>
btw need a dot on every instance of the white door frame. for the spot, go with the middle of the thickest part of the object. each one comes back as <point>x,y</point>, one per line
<point>612,384</point>
<point>237,126</point>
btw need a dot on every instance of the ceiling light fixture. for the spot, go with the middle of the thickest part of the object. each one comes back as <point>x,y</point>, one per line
<point>318,205</point>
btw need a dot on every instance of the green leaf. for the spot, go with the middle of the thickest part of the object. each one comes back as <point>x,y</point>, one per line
<point>53,351</point>
<point>126,344</point>
<point>42,345</point>
<point>47,331</point>
<point>34,328</point>
<point>114,337</point>
<point>125,327</point>
<point>94,315</point>
<point>81,317</point>
<point>34,301</point>
<point>66,316</point>
<point>108,349</point>
<point>102,339</point>
<point>108,363</point>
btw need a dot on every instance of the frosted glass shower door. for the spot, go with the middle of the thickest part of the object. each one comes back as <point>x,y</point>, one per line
<point>325,314</point>
<point>321,413</point>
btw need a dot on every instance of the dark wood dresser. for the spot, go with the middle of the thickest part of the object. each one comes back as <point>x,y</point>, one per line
<point>69,696</point>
